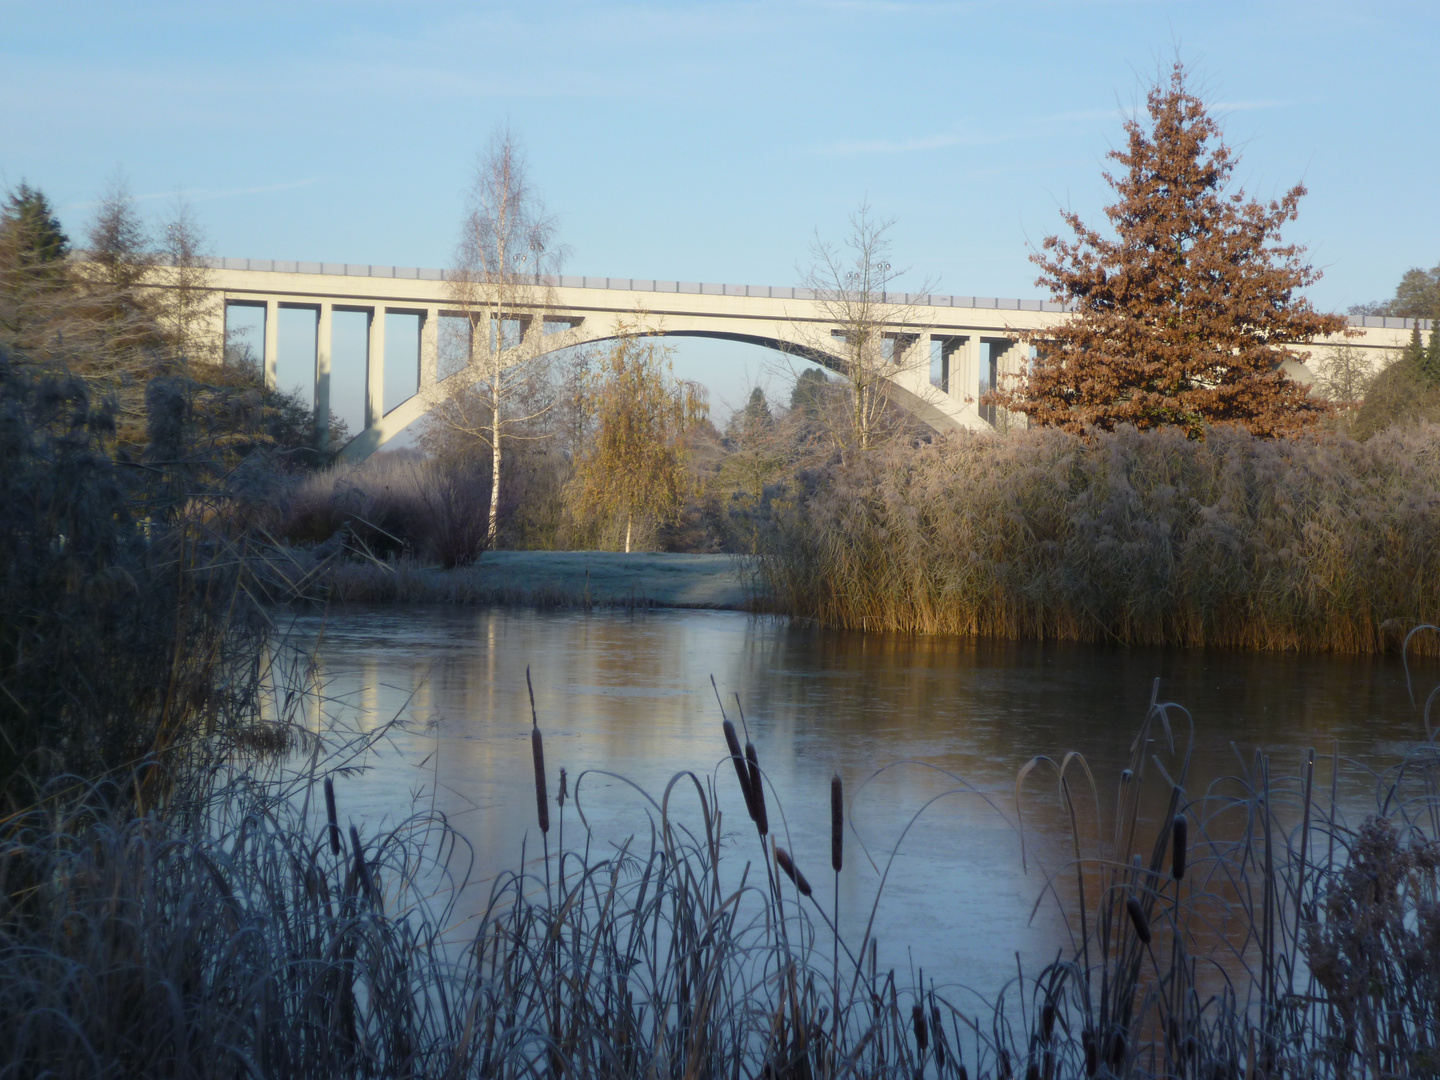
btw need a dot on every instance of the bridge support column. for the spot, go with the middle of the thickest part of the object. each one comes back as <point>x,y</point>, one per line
<point>272,342</point>
<point>952,365</point>
<point>375,369</point>
<point>971,387</point>
<point>429,348</point>
<point>324,336</point>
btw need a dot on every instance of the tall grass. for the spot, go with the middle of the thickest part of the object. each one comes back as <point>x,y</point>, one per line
<point>1311,543</point>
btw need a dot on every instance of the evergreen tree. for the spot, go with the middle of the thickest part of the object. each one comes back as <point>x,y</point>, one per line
<point>756,416</point>
<point>33,266</point>
<point>1182,318</point>
<point>1413,355</point>
<point>1430,359</point>
<point>809,391</point>
<point>31,231</point>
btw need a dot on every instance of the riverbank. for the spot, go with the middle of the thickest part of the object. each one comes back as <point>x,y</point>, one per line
<point>557,579</point>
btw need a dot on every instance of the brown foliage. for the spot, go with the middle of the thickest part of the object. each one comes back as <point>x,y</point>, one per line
<point>1181,319</point>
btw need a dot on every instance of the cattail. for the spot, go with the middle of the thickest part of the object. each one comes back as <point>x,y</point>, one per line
<point>737,757</point>
<point>939,1033</point>
<point>330,816</point>
<point>1092,1056</point>
<point>1179,833</point>
<point>560,799</point>
<point>962,1072</point>
<point>1032,1071</point>
<point>537,751</point>
<point>837,823</point>
<point>1047,1020</point>
<point>922,1035</point>
<point>1117,1051</point>
<point>757,790</point>
<point>786,864</point>
<point>1137,918</point>
<point>362,871</point>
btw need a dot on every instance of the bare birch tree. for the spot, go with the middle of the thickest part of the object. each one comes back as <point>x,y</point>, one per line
<point>507,248</point>
<point>869,328</point>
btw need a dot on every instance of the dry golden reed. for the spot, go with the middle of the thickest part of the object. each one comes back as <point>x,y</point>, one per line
<point>1317,543</point>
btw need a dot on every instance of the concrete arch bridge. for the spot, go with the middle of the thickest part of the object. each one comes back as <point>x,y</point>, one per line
<point>942,352</point>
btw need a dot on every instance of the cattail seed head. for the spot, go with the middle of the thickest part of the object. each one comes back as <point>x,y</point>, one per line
<point>962,1072</point>
<point>1117,1050</point>
<point>922,1034</point>
<point>362,871</point>
<point>330,816</point>
<point>757,790</point>
<point>782,857</point>
<point>939,1035</point>
<point>1092,1056</point>
<point>1032,1071</point>
<point>1047,1020</point>
<point>1179,835</point>
<point>537,751</point>
<point>742,770</point>
<point>1138,920</point>
<point>837,823</point>
<point>560,798</point>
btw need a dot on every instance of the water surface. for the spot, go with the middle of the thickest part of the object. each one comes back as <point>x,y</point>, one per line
<point>630,693</point>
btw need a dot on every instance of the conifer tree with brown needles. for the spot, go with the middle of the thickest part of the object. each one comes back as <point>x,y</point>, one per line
<point>1184,317</point>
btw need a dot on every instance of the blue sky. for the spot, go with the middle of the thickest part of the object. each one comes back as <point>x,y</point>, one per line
<point>711,141</point>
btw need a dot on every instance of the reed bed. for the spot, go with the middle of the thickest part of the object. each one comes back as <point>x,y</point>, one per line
<point>1317,543</point>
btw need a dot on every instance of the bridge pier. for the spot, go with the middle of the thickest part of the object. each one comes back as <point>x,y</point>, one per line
<point>272,342</point>
<point>375,369</point>
<point>324,345</point>
<point>429,347</point>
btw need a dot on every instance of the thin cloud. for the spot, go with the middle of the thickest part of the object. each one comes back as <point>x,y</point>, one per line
<point>1033,128</point>
<point>888,146</point>
<point>205,194</point>
<point>210,194</point>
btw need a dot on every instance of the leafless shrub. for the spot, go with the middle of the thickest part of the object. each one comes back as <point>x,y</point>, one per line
<point>393,505</point>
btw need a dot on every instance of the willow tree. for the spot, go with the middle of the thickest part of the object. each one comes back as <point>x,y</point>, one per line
<point>636,465</point>
<point>507,246</point>
<point>1185,315</point>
